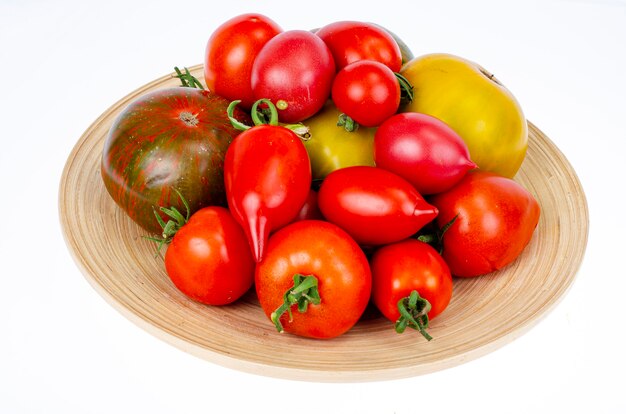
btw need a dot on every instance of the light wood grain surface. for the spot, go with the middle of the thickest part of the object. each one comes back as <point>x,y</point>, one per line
<point>485,313</point>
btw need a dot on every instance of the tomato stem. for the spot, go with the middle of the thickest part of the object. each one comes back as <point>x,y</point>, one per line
<point>414,314</point>
<point>435,239</point>
<point>303,292</point>
<point>347,123</point>
<point>267,115</point>
<point>171,227</point>
<point>187,79</point>
<point>406,89</point>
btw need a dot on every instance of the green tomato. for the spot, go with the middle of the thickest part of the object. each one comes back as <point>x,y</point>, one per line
<point>331,147</point>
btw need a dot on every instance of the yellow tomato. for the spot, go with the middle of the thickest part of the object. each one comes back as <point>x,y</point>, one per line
<point>331,147</point>
<point>478,107</point>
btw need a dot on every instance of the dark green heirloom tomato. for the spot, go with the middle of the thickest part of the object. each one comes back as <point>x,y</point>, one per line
<point>173,138</point>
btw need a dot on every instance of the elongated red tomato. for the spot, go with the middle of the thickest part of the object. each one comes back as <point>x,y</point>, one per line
<point>315,281</point>
<point>373,205</point>
<point>209,259</point>
<point>230,53</point>
<point>351,41</point>
<point>267,175</point>
<point>422,149</point>
<point>496,218</point>
<point>295,71</point>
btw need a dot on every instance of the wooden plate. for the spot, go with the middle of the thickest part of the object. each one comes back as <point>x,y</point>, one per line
<point>485,313</point>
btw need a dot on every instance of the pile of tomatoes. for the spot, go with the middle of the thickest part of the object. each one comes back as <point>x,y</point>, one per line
<point>389,223</point>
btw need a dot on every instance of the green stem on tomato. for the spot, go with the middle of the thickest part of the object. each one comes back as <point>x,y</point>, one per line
<point>347,123</point>
<point>171,227</point>
<point>413,314</point>
<point>406,89</point>
<point>267,115</point>
<point>303,292</point>
<point>187,79</point>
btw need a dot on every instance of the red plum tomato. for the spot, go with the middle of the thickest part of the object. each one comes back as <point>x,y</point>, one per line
<point>373,205</point>
<point>295,71</point>
<point>230,53</point>
<point>423,150</point>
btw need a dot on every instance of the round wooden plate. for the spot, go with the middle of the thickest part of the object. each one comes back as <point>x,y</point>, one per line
<point>484,314</point>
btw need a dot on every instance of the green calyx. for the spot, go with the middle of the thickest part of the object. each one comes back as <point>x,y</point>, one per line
<point>171,227</point>
<point>413,314</point>
<point>406,89</point>
<point>264,112</point>
<point>303,292</point>
<point>435,239</point>
<point>347,123</point>
<point>187,79</point>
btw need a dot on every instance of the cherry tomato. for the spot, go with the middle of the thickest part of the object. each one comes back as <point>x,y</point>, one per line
<point>330,269</point>
<point>423,150</point>
<point>230,52</point>
<point>295,71</point>
<point>267,175</point>
<point>209,259</point>
<point>373,205</point>
<point>351,41</point>
<point>496,218</point>
<point>406,266</point>
<point>366,91</point>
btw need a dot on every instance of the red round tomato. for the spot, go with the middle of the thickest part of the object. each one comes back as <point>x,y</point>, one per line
<point>366,91</point>
<point>410,265</point>
<point>315,281</point>
<point>351,41</point>
<point>295,71</point>
<point>230,52</point>
<point>209,259</point>
<point>373,205</point>
<point>423,150</point>
<point>496,218</point>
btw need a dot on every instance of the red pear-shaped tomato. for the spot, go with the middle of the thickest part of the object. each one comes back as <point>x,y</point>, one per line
<point>373,205</point>
<point>423,150</point>
<point>268,176</point>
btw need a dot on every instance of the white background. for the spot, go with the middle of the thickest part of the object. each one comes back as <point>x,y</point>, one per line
<point>63,349</point>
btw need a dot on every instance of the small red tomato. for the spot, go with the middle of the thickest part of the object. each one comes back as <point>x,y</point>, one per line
<point>373,205</point>
<point>366,91</point>
<point>423,150</point>
<point>410,265</point>
<point>496,218</point>
<point>351,41</point>
<point>294,70</point>
<point>209,259</point>
<point>315,281</point>
<point>267,175</point>
<point>230,53</point>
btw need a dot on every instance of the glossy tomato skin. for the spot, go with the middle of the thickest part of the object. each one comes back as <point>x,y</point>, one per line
<point>331,147</point>
<point>230,53</point>
<point>351,41</point>
<point>267,175</point>
<point>209,259</point>
<point>423,150</point>
<point>173,138</point>
<point>496,220</point>
<point>310,210</point>
<point>373,205</point>
<point>318,248</point>
<point>399,268</point>
<point>366,91</point>
<point>295,71</point>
